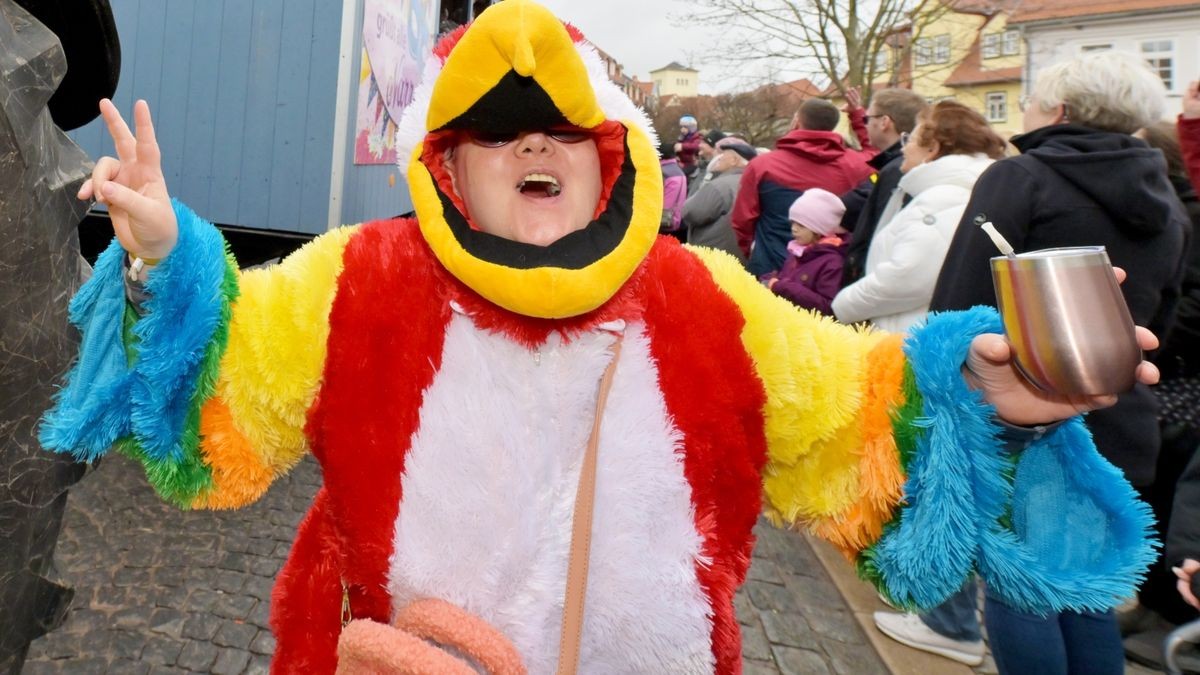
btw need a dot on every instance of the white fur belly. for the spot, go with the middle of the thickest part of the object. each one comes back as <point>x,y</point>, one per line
<point>489,488</point>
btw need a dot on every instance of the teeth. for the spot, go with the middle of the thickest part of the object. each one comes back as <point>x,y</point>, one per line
<point>552,188</point>
<point>541,178</point>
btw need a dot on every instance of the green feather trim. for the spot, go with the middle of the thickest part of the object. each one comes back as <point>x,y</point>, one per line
<point>907,430</point>
<point>180,482</point>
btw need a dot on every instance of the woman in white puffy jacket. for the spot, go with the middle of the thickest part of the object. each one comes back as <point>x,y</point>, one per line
<point>943,156</point>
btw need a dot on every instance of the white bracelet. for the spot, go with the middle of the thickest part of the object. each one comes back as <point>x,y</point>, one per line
<point>137,267</point>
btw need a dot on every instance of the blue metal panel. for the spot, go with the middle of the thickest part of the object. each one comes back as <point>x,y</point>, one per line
<point>224,190</point>
<point>291,111</point>
<point>177,37</point>
<point>258,141</point>
<point>200,118</point>
<point>242,93</point>
<point>318,133</point>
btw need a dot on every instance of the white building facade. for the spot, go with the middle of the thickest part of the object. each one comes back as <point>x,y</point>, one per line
<point>1168,38</point>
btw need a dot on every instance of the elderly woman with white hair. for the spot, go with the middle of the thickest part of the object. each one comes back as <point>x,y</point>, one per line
<point>1082,180</point>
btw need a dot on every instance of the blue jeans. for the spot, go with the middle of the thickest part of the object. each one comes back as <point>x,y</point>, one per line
<point>955,618</point>
<point>1067,643</point>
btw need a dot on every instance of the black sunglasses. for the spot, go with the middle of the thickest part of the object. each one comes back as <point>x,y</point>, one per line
<point>497,139</point>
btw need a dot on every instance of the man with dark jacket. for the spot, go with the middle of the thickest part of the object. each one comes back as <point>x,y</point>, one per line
<point>706,213</point>
<point>810,155</point>
<point>892,112</point>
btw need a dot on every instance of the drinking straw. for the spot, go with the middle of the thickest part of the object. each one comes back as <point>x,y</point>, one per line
<point>998,239</point>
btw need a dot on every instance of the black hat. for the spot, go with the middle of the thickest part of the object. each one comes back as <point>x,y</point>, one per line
<point>713,137</point>
<point>88,35</point>
<point>747,153</point>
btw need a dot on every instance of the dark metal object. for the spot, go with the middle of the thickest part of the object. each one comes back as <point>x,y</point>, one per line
<point>1188,633</point>
<point>40,268</point>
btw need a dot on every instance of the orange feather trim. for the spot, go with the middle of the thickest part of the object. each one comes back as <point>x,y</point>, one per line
<point>881,479</point>
<point>238,472</point>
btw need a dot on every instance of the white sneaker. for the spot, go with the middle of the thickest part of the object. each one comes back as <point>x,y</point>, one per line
<point>908,629</point>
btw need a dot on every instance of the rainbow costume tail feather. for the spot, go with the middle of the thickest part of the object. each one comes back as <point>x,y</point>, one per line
<point>1050,526</point>
<point>140,387</point>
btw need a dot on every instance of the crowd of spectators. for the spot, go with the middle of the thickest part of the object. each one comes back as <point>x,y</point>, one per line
<point>885,234</point>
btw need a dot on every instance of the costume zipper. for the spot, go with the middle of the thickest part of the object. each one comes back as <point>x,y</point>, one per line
<point>347,616</point>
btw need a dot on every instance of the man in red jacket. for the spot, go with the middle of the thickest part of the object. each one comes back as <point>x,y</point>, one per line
<point>811,155</point>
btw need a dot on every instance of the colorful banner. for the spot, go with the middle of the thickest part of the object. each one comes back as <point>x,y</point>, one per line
<point>397,36</point>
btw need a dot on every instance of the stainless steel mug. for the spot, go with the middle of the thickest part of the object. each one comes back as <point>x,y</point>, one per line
<point>1067,321</point>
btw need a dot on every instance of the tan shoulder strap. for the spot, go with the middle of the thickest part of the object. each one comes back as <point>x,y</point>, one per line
<point>581,533</point>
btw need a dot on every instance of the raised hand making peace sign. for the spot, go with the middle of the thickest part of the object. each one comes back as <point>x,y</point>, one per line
<point>133,187</point>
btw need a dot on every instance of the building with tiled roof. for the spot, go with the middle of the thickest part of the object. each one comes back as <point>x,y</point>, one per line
<point>965,50</point>
<point>676,79</point>
<point>636,91</point>
<point>1166,33</point>
<point>1055,10</point>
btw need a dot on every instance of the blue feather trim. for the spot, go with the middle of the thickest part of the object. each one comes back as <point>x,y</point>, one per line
<point>1062,531</point>
<point>1080,537</point>
<point>92,411</point>
<point>105,399</point>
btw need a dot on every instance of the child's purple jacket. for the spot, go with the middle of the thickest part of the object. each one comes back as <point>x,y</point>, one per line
<point>812,279</point>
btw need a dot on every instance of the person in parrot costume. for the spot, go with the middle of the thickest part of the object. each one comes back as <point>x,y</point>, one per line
<point>444,371</point>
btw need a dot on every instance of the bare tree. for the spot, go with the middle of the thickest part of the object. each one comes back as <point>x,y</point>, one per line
<point>760,116</point>
<point>836,40</point>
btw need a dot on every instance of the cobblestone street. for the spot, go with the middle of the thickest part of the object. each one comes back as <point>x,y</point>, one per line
<point>160,590</point>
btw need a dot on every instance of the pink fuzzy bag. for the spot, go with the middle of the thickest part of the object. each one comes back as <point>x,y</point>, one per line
<point>430,637</point>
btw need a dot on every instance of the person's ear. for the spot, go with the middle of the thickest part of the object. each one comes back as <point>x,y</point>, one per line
<point>935,149</point>
<point>450,168</point>
<point>795,122</point>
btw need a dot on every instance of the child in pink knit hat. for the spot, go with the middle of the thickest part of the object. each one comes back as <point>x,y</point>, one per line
<point>812,274</point>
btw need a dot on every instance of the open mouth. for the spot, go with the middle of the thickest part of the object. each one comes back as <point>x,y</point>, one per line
<point>539,186</point>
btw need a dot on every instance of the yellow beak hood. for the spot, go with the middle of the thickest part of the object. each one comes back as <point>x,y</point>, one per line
<point>518,68</point>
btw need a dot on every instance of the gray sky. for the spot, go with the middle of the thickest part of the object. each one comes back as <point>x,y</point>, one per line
<point>641,34</point>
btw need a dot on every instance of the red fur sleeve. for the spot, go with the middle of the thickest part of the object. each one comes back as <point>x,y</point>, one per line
<point>306,603</point>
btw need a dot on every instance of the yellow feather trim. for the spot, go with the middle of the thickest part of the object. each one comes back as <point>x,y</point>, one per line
<point>521,36</point>
<point>272,367</point>
<point>881,479</point>
<point>813,371</point>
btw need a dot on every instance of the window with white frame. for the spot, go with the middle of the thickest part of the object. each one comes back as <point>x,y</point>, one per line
<point>991,45</point>
<point>941,49</point>
<point>1160,55</point>
<point>1011,43</point>
<point>997,106</point>
<point>882,61</point>
<point>923,52</point>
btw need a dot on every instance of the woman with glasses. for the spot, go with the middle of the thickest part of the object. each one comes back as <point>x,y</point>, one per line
<point>943,156</point>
